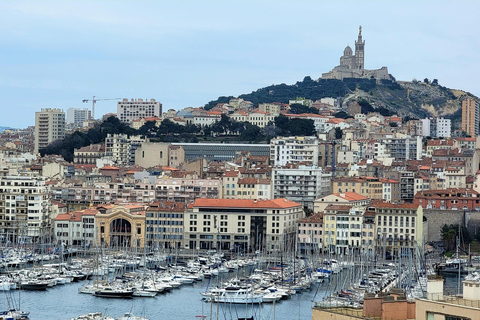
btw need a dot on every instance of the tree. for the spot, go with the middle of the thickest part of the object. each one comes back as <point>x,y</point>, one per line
<point>393,124</point>
<point>251,133</point>
<point>435,82</point>
<point>342,115</point>
<point>338,133</point>
<point>301,127</point>
<point>149,129</point>
<point>297,108</point>
<point>426,80</point>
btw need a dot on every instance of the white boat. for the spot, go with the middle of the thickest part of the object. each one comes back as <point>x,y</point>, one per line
<point>238,295</point>
<point>144,293</point>
<point>93,316</point>
<point>131,316</point>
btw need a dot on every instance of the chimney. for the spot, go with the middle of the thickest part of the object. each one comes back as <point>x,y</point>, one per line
<point>435,287</point>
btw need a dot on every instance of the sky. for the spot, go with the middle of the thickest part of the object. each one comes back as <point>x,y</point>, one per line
<point>54,54</point>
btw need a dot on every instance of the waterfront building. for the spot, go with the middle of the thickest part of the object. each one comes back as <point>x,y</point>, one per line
<point>120,226</point>
<point>449,199</point>
<point>76,228</point>
<point>310,233</point>
<point>24,207</point>
<point>243,224</point>
<point>133,109</point>
<point>164,224</point>
<point>398,227</point>
<point>49,126</point>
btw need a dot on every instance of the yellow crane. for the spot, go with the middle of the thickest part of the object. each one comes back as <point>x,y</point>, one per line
<point>94,101</point>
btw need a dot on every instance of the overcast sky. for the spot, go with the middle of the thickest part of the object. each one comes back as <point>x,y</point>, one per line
<point>186,53</point>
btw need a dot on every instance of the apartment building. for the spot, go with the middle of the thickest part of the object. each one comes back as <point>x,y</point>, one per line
<point>187,189</point>
<point>345,198</point>
<point>245,224</point>
<point>405,148</point>
<point>470,117</point>
<point>294,150</point>
<point>49,126</point>
<point>253,188</point>
<point>449,199</point>
<point>274,108</point>
<point>436,127</point>
<point>164,225</point>
<point>89,154</point>
<point>398,227</point>
<point>310,233</point>
<point>302,184</point>
<point>121,149</point>
<point>76,228</point>
<point>24,207</point>
<point>77,116</point>
<point>133,109</point>
<point>370,187</point>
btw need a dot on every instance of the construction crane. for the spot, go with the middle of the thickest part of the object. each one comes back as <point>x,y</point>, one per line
<point>94,101</point>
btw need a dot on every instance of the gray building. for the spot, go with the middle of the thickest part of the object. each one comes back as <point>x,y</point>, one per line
<point>221,151</point>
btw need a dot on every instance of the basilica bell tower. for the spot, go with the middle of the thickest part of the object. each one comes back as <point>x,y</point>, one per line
<point>359,51</point>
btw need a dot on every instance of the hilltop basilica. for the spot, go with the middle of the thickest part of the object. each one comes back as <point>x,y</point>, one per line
<point>352,65</point>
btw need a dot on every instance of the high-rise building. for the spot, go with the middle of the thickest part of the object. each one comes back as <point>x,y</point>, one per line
<point>127,111</point>
<point>470,117</point>
<point>24,203</point>
<point>290,150</point>
<point>78,116</point>
<point>49,126</point>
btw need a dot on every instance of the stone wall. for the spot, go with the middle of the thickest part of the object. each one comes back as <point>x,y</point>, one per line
<point>436,218</point>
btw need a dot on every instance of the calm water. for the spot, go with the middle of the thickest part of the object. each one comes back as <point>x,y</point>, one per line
<point>64,302</point>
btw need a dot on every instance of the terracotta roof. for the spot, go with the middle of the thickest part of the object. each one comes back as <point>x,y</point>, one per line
<point>351,196</point>
<point>281,203</point>
<point>109,168</point>
<point>167,206</point>
<point>339,207</point>
<point>316,218</point>
<point>396,206</point>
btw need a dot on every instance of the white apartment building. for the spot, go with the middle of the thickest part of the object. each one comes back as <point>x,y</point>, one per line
<point>49,126</point>
<point>76,228</point>
<point>120,148</point>
<point>133,109</point>
<point>436,127</point>
<point>24,203</point>
<point>78,116</point>
<point>292,150</point>
<point>399,226</point>
<point>243,224</point>
<point>444,128</point>
<point>302,184</point>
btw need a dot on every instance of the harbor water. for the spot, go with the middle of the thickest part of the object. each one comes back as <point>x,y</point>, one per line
<point>64,302</point>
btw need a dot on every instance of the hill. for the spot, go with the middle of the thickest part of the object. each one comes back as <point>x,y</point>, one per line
<point>406,98</point>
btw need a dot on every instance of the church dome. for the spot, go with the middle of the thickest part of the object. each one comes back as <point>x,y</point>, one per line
<point>348,51</point>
